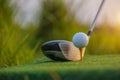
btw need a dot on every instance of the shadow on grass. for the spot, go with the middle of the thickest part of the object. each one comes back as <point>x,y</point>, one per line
<point>44,60</point>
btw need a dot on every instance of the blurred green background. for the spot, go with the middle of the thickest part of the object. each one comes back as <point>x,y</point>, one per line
<point>22,45</point>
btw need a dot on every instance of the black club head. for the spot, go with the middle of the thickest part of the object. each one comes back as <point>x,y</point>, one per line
<point>60,50</point>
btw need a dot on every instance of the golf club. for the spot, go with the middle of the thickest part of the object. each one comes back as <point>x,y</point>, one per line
<point>93,23</point>
<point>62,50</point>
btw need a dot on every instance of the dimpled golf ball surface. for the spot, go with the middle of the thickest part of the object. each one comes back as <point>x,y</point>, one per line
<point>80,40</point>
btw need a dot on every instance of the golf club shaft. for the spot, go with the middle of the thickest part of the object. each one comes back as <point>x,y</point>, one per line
<point>93,23</point>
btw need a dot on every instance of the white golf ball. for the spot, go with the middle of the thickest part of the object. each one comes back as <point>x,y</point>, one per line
<point>80,40</point>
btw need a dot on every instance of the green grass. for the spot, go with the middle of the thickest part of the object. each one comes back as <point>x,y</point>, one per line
<point>15,46</point>
<point>93,67</point>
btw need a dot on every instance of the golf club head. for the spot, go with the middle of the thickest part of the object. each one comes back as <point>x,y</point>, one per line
<point>61,50</point>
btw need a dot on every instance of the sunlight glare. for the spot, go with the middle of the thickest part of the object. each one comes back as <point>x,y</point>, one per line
<point>118,19</point>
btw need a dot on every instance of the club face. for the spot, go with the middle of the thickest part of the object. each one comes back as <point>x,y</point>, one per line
<point>70,51</point>
<point>52,50</point>
<point>61,50</point>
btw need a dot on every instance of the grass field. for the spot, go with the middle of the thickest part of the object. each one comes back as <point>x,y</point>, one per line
<point>93,67</point>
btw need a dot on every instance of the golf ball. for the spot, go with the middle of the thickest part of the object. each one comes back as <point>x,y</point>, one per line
<point>80,40</point>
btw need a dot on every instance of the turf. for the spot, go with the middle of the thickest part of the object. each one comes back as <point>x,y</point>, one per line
<point>93,67</point>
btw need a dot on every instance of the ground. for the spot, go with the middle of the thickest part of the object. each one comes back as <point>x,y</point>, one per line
<point>93,67</point>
